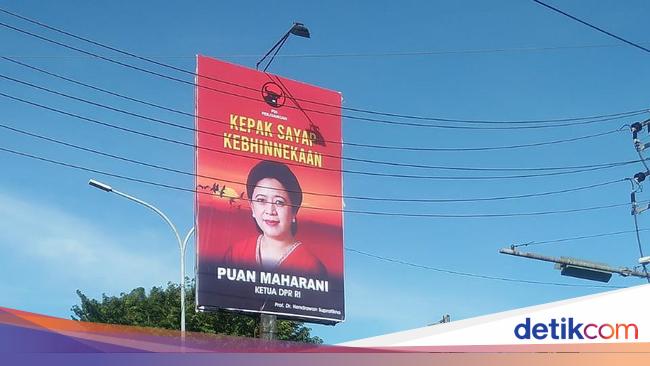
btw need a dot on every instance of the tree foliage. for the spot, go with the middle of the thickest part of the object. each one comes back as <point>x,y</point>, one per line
<point>160,308</point>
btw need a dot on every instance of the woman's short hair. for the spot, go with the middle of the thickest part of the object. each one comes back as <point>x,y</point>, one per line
<point>281,173</point>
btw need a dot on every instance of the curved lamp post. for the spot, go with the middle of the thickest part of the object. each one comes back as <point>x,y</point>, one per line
<point>182,245</point>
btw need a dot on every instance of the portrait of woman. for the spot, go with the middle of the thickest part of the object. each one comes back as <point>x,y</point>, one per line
<point>275,198</point>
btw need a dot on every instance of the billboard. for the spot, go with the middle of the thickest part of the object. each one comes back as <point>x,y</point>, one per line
<point>269,214</point>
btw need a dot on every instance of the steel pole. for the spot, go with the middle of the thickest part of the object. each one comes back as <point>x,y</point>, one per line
<point>268,327</point>
<point>183,250</point>
<point>623,271</point>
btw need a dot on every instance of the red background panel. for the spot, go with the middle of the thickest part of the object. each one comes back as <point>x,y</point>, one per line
<point>225,89</point>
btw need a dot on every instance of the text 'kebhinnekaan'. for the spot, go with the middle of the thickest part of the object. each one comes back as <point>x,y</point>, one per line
<point>260,146</point>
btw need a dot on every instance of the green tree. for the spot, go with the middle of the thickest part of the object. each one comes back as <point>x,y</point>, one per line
<point>161,309</point>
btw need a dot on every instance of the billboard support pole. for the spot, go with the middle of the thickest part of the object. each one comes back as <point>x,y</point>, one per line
<point>268,327</point>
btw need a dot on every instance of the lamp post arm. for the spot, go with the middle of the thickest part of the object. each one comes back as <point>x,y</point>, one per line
<point>277,49</point>
<point>284,38</point>
<point>156,210</point>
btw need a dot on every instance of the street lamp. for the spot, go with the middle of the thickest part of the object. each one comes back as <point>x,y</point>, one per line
<point>182,244</point>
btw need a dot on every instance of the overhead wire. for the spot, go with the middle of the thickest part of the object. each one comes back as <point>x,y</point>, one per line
<point>360,212</point>
<point>136,180</point>
<point>353,197</point>
<point>598,118</point>
<point>410,53</point>
<point>356,54</point>
<point>347,248</point>
<point>499,278</point>
<point>193,74</point>
<point>355,144</point>
<point>333,54</point>
<point>447,271</point>
<point>369,161</point>
<point>367,173</point>
<point>574,238</point>
<point>592,26</point>
<point>393,260</point>
<point>468,274</point>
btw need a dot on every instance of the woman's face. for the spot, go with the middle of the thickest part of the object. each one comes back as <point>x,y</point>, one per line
<point>272,209</point>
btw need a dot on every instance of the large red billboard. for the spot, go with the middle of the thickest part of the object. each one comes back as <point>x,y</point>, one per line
<point>269,194</point>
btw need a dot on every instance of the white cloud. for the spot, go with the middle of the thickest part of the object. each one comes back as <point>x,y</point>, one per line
<point>53,253</point>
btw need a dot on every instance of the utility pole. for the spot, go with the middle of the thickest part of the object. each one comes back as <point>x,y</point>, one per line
<point>636,184</point>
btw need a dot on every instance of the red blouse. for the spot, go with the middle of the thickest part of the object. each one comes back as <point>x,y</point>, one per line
<point>300,260</point>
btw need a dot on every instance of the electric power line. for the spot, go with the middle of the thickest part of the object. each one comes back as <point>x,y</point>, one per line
<point>397,261</point>
<point>383,258</point>
<point>374,146</point>
<point>405,53</point>
<point>353,197</point>
<point>599,118</point>
<point>369,161</point>
<point>488,277</point>
<point>360,212</point>
<point>367,173</point>
<point>192,129</point>
<point>431,52</point>
<point>405,176</point>
<point>467,274</point>
<point>601,30</point>
<point>392,260</point>
<point>579,238</point>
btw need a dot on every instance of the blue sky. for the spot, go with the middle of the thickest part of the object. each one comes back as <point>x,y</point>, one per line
<point>58,235</point>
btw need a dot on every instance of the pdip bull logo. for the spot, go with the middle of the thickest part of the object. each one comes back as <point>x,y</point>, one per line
<point>273,94</point>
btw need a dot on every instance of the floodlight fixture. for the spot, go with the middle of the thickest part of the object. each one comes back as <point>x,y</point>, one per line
<point>299,29</point>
